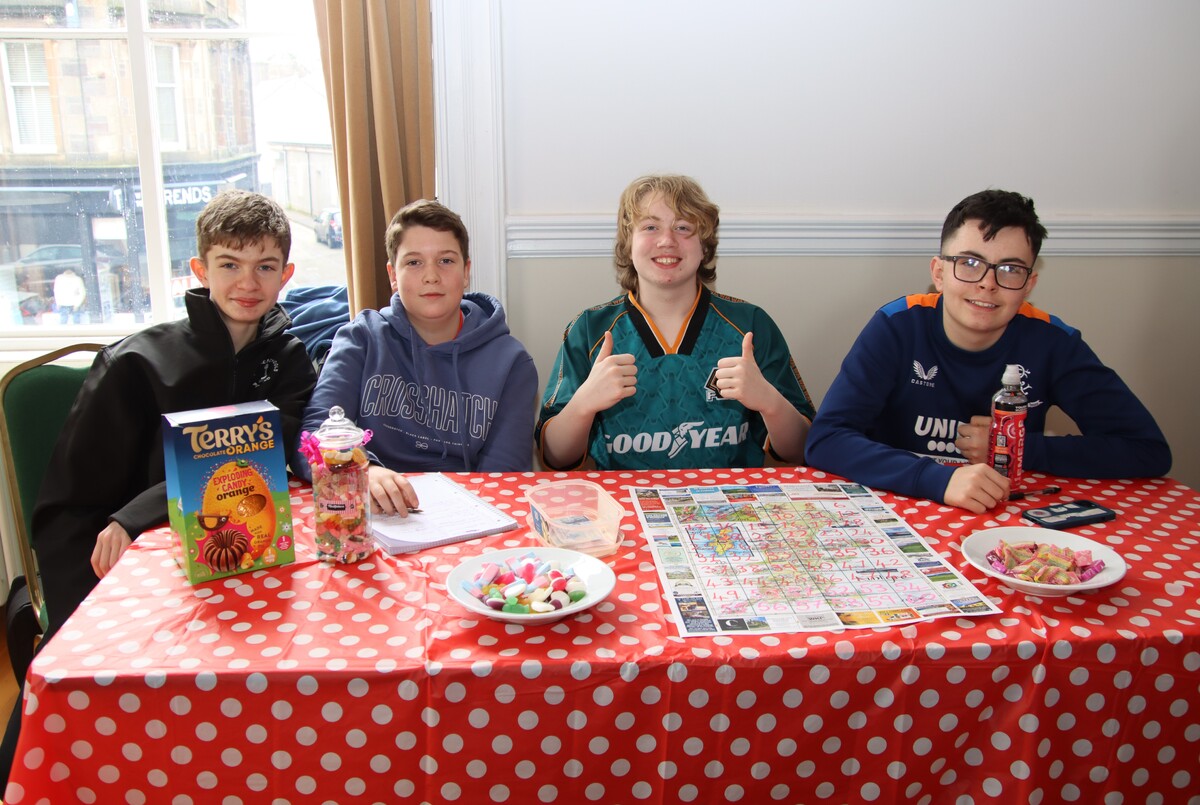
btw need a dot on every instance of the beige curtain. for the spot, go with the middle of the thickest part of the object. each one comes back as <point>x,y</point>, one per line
<point>377,56</point>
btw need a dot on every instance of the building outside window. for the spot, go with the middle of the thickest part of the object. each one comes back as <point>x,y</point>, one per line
<point>166,80</point>
<point>235,100</point>
<point>27,90</point>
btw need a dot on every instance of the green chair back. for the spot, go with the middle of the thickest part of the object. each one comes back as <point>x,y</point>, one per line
<point>35,397</point>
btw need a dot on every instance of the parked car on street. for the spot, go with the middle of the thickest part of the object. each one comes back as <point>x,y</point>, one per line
<point>328,226</point>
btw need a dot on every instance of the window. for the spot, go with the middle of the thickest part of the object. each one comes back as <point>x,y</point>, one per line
<point>27,88</point>
<point>166,78</point>
<point>88,182</point>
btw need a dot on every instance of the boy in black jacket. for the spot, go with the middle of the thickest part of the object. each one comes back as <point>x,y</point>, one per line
<point>106,480</point>
<point>106,483</point>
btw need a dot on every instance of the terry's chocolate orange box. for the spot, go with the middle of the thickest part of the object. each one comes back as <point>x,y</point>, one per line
<point>227,489</point>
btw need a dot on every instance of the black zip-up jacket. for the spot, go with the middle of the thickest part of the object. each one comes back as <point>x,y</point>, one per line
<point>108,462</point>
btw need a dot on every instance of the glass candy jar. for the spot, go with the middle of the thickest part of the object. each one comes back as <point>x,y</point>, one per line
<point>341,494</point>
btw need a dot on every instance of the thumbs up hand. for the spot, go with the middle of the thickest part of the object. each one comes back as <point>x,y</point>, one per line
<point>740,379</point>
<point>612,379</point>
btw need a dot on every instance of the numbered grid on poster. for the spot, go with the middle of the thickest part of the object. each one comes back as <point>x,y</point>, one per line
<point>794,557</point>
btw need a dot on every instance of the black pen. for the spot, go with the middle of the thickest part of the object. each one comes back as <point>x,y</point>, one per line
<point>1021,495</point>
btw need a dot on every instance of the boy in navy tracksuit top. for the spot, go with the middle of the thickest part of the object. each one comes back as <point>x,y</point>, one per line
<point>436,377</point>
<point>909,410</point>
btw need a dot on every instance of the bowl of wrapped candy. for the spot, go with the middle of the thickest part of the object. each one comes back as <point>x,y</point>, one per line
<point>530,585</point>
<point>1037,561</point>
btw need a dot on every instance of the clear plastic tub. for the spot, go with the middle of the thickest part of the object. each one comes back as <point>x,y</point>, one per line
<point>578,515</point>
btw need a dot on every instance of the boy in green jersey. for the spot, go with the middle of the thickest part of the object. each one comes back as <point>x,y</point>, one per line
<point>672,374</point>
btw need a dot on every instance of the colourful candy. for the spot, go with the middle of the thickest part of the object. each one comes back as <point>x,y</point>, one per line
<point>1044,564</point>
<point>526,584</point>
<point>340,493</point>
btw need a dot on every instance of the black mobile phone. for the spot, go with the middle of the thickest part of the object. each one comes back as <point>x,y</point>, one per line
<point>1070,514</point>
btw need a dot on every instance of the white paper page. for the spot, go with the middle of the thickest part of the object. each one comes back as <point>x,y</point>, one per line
<point>448,512</point>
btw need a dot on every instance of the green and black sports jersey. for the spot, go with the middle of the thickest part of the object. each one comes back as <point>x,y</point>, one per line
<point>677,419</point>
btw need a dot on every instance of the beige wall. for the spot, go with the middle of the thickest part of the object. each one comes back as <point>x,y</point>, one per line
<point>1137,313</point>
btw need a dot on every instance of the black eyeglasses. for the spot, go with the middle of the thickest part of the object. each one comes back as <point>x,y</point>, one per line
<point>1012,276</point>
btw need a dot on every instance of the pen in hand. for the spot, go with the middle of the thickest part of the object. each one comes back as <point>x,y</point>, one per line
<point>1022,494</point>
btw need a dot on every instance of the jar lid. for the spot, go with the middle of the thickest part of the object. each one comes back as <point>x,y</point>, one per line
<point>338,432</point>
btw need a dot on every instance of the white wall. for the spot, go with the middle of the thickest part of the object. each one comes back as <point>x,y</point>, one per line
<point>861,109</point>
<point>835,137</point>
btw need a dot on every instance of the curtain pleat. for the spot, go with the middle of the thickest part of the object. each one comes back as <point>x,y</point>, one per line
<point>378,63</point>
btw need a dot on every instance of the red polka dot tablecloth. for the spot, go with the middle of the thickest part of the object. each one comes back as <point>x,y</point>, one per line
<point>367,682</point>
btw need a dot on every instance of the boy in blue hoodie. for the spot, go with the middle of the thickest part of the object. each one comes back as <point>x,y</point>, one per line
<point>436,377</point>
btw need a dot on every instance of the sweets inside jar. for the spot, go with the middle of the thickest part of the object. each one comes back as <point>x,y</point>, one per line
<point>341,495</point>
<point>1043,563</point>
<point>341,492</point>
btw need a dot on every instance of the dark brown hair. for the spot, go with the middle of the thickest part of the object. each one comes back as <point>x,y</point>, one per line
<point>237,218</point>
<point>431,214</point>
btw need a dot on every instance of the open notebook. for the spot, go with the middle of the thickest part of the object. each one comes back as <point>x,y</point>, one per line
<point>449,513</point>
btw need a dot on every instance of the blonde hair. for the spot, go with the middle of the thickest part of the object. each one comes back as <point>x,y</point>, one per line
<point>687,200</point>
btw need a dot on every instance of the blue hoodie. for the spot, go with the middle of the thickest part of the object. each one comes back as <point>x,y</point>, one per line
<point>467,404</point>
